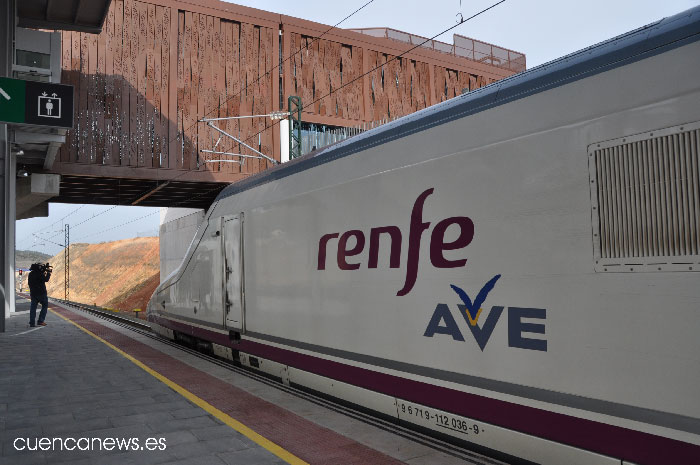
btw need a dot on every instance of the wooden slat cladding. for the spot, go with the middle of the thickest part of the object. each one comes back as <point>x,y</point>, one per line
<point>159,66</point>
<point>402,86</point>
<point>122,81</point>
<point>321,67</point>
<point>449,83</point>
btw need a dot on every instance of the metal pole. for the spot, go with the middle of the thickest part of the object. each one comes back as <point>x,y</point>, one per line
<point>240,142</point>
<point>66,259</point>
<point>7,179</point>
<point>5,290</point>
<point>294,103</point>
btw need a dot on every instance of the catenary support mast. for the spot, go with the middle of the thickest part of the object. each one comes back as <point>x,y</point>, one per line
<point>66,259</point>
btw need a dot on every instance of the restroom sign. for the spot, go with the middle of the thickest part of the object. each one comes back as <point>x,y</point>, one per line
<point>36,103</point>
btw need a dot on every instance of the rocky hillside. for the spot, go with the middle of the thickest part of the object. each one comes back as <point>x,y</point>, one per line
<point>136,297</point>
<point>121,274</point>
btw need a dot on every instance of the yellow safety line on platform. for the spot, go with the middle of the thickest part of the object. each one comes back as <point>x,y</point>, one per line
<point>233,423</point>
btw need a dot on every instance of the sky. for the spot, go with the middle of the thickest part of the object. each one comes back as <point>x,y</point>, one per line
<point>88,223</point>
<point>543,30</point>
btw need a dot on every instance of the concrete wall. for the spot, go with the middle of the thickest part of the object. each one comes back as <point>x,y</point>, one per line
<point>33,194</point>
<point>177,228</point>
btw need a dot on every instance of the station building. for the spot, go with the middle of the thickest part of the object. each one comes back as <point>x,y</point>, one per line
<point>145,73</point>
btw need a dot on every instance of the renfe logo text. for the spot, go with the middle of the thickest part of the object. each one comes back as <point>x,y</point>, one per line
<point>416,229</point>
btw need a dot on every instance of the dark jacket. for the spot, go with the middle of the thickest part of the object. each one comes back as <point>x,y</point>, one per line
<point>37,282</point>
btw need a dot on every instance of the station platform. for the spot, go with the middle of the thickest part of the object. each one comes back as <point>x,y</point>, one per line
<point>88,391</point>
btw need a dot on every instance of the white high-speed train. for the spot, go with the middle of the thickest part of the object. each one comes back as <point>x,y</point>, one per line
<point>516,267</point>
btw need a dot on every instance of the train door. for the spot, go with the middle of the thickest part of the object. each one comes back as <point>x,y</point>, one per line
<point>233,272</point>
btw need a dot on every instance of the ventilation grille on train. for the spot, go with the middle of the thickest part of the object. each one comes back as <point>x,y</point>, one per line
<point>645,192</point>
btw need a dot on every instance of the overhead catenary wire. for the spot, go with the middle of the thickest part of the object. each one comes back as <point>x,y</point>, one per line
<point>120,225</point>
<point>149,214</point>
<point>52,224</point>
<point>95,216</point>
<point>47,239</point>
<point>267,72</point>
<point>218,107</point>
<point>57,232</point>
<point>36,235</point>
<point>463,20</point>
<point>55,243</point>
<point>127,222</point>
<point>58,221</point>
<point>335,90</point>
<point>315,39</point>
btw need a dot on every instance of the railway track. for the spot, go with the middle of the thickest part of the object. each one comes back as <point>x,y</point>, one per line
<point>432,442</point>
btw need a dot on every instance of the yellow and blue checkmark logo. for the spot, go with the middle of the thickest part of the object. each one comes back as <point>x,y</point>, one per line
<point>472,309</point>
<point>442,321</point>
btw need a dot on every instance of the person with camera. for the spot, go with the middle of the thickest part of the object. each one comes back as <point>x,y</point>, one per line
<point>39,274</point>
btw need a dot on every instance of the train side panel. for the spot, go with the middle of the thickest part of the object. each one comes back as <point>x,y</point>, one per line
<point>194,293</point>
<point>562,326</point>
<point>455,268</point>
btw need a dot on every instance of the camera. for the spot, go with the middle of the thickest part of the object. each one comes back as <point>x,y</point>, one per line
<point>43,268</point>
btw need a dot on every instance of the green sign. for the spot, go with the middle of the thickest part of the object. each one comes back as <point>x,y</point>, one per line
<point>12,100</point>
<point>36,103</point>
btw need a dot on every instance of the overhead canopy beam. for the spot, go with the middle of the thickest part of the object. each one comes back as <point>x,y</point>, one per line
<point>66,15</point>
<point>147,195</point>
<point>121,191</point>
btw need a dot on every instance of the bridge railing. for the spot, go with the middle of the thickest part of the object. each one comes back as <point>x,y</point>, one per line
<point>465,47</point>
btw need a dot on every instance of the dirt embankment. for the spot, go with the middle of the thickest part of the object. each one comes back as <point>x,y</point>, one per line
<point>121,274</point>
<point>136,297</point>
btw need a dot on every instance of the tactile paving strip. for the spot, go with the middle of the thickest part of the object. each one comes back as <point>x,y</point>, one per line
<point>307,440</point>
